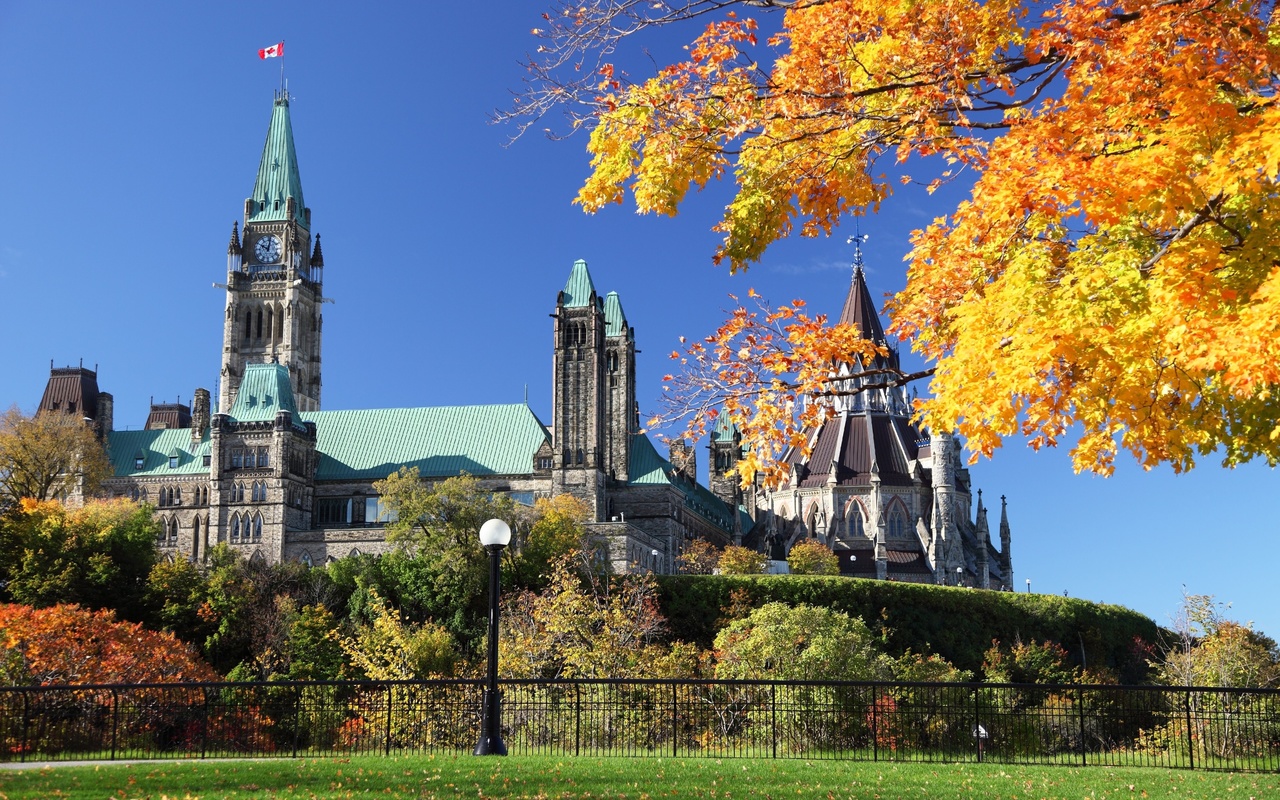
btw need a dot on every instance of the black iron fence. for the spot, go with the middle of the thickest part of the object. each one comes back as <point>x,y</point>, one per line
<point>1197,728</point>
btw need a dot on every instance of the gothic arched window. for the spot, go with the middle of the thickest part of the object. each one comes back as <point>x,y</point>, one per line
<point>854,515</point>
<point>235,528</point>
<point>899,528</point>
<point>257,528</point>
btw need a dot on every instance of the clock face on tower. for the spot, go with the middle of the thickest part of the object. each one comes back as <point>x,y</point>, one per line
<point>267,249</point>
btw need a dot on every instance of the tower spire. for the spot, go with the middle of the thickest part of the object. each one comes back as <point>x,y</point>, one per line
<point>278,180</point>
<point>859,309</point>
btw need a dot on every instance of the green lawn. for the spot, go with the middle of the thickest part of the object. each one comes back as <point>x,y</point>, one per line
<point>546,777</point>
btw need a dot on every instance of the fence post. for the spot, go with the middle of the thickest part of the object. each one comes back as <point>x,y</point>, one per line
<point>204,723</point>
<point>875,723</point>
<point>297,716</point>
<point>1080,702</point>
<point>773,710</point>
<point>577,719</point>
<point>26,712</point>
<point>675,730</point>
<point>1191,744</point>
<point>115,720</point>
<point>387,745</point>
<point>977,720</point>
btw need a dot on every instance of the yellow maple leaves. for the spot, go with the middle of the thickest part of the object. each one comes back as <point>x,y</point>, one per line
<point>1113,279</point>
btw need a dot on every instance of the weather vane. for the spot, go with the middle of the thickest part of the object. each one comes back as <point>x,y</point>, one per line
<point>856,240</point>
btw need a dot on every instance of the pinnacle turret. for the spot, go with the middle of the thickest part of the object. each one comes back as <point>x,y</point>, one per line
<point>317,255</point>
<point>233,248</point>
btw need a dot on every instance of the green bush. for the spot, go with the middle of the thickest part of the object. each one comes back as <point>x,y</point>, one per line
<point>958,624</point>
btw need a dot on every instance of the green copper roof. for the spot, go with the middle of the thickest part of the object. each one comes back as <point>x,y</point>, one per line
<point>264,390</point>
<point>579,288</point>
<point>724,429</point>
<point>647,468</point>
<point>278,178</point>
<point>615,319</point>
<point>155,448</point>
<point>440,442</point>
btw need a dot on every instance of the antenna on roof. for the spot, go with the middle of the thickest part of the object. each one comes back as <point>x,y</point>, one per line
<point>526,394</point>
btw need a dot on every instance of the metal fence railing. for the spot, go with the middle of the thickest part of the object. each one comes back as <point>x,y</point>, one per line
<point>1198,728</point>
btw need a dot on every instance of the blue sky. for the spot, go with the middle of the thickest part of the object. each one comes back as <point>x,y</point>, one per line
<point>129,137</point>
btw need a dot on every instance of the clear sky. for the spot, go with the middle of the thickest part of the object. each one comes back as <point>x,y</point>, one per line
<point>129,138</point>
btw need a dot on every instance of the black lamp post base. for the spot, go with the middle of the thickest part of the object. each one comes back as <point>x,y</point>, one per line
<point>491,743</point>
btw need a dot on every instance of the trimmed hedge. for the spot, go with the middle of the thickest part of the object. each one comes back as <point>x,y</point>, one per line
<point>958,624</point>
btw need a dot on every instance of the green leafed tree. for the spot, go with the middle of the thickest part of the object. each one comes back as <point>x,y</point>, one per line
<point>97,556</point>
<point>438,570</point>
<point>782,642</point>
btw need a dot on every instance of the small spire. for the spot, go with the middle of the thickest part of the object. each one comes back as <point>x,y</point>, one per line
<point>856,240</point>
<point>233,248</point>
<point>317,256</point>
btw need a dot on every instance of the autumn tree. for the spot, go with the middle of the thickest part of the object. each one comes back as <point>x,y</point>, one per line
<point>588,625</point>
<point>1114,275</point>
<point>48,455</point>
<point>1029,662</point>
<point>1211,650</point>
<point>69,644</point>
<point>390,648</point>
<point>558,529</point>
<point>700,557</point>
<point>737,560</point>
<point>97,556</point>
<point>811,557</point>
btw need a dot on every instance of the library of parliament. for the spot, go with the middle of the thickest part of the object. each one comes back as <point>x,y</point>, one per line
<point>265,470</point>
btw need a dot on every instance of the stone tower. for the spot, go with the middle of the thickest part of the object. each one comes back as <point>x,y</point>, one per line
<point>274,276</point>
<point>725,482</point>
<point>622,419</point>
<point>579,398</point>
<point>262,458</point>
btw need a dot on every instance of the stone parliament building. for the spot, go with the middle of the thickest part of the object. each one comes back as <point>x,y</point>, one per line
<point>270,474</point>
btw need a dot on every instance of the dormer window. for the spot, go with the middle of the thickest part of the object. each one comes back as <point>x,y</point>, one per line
<point>173,462</point>
<point>139,459</point>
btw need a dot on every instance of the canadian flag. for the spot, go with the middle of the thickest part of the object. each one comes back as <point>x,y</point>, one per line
<point>272,52</point>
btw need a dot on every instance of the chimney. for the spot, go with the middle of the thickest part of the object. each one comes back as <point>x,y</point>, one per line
<point>105,422</point>
<point>199,416</point>
<point>685,460</point>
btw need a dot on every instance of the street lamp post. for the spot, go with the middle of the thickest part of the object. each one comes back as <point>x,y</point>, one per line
<point>959,576</point>
<point>1028,586</point>
<point>494,535</point>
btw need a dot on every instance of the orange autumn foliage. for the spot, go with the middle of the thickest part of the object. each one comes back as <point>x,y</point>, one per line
<point>66,644</point>
<point>1114,277</point>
